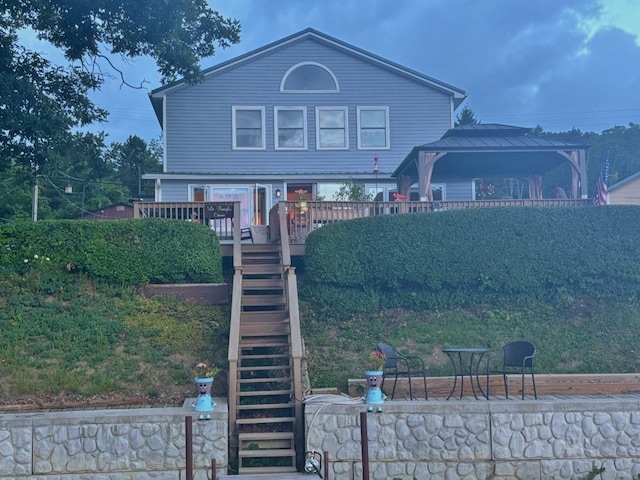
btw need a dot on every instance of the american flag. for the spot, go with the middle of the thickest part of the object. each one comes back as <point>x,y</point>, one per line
<point>602,195</point>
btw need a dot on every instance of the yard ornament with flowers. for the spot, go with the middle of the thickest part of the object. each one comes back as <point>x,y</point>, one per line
<point>374,366</point>
<point>205,374</point>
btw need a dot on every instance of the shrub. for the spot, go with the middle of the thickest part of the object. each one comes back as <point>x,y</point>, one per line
<point>128,252</point>
<point>445,259</point>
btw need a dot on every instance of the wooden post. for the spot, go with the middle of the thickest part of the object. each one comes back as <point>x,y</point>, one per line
<point>214,469</point>
<point>188,420</point>
<point>364,442</point>
<point>326,465</point>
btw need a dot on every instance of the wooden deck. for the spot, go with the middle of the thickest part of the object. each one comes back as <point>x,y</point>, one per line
<point>547,386</point>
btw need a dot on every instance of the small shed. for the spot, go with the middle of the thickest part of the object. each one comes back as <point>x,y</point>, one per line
<point>482,150</point>
<point>111,212</point>
<point>626,191</point>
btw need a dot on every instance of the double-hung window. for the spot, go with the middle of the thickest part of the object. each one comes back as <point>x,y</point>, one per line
<point>373,128</point>
<point>332,128</point>
<point>248,128</point>
<point>290,127</point>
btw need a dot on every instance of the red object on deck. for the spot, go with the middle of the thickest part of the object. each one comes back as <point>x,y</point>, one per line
<point>399,196</point>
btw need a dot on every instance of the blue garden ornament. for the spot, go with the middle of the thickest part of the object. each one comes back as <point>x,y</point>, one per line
<point>374,393</point>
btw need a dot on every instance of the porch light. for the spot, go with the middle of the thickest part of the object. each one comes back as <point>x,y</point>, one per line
<point>278,193</point>
<point>376,169</point>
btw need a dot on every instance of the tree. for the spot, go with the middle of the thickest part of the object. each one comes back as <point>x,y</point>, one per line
<point>351,190</point>
<point>466,117</point>
<point>43,102</point>
<point>132,159</point>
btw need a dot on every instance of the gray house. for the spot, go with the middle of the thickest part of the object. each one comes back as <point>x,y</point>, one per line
<point>297,118</point>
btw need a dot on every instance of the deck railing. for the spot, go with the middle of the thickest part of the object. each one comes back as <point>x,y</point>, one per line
<point>302,217</point>
<point>305,216</point>
<point>219,216</point>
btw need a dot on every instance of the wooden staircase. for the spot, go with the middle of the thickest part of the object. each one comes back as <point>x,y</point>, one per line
<point>265,412</point>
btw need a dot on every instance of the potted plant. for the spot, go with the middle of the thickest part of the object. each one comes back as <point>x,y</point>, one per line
<point>374,366</point>
<point>375,362</point>
<point>204,373</point>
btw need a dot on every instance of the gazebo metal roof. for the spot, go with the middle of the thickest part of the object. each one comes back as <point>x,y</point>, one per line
<point>482,150</point>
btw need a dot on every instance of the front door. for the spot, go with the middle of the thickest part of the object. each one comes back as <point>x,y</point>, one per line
<point>260,205</point>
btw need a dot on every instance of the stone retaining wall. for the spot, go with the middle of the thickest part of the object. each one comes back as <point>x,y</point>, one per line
<point>515,439</point>
<point>135,444</point>
<point>436,440</point>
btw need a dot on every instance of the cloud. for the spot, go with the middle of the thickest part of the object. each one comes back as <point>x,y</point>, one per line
<point>557,64</point>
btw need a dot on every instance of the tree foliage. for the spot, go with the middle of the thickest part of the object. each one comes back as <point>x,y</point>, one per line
<point>466,117</point>
<point>42,102</point>
<point>132,159</point>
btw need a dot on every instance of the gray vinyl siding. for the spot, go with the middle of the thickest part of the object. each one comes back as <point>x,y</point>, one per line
<point>459,189</point>
<point>198,127</point>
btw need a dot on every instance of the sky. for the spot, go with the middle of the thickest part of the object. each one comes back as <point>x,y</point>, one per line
<point>560,64</point>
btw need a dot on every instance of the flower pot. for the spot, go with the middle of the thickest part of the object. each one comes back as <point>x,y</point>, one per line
<point>374,382</point>
<point>204,402</point>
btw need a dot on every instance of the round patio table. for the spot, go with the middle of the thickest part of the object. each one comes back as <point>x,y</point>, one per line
<point>462,368</point>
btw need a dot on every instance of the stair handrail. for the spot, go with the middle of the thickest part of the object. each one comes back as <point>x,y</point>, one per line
<point>234,328</point>
<point>284,235</point>
<point>294,328</point>
<point>237,236</point>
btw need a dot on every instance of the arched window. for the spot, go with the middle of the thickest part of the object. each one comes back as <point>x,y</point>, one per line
<point>309,77</point>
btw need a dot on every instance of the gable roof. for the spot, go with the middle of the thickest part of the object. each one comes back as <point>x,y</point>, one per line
<point>624,181</point>
<point>458,95</point>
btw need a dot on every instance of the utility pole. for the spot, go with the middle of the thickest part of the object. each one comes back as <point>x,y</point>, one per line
<point>34,212</point>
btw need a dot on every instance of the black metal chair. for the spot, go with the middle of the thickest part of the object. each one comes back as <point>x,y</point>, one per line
<point>517,357</point>
<point>397,364</point>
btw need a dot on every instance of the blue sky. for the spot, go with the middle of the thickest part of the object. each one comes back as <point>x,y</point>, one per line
<point>557,63</point>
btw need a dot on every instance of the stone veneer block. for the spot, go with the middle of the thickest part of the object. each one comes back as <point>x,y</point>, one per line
<point>135,444</point>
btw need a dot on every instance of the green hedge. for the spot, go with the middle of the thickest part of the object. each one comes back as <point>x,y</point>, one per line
<point>129,252</point>
<point>459,257</point>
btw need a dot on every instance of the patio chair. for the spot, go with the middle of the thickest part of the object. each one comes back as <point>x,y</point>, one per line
<point>517,357</point>
<point>397,364</point>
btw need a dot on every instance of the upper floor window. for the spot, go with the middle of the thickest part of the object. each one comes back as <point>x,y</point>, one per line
<point>309,77</point>
<point>332,128</point>
<point>248,128</point>
<point>290,125</point>
<point>373,128</point>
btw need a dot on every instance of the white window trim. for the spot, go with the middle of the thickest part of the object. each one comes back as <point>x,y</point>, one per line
<point>276,138</point>
<point>234,109</point>
<point>346,128</point>
<point>288,72</point>
<point>387,131</point>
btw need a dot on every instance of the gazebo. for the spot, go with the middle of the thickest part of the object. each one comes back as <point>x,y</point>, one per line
<point>482,150</point>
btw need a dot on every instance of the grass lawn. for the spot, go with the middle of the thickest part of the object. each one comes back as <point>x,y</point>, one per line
<point>78,340</point>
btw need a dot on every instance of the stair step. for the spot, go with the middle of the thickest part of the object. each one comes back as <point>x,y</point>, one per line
<point>265,380</point>
<point>260,258</point>
<point>248,436</point>
<point>268,300</point>
<point>278,452</point>
<point>258,473</point>
<point>262,269</point>
<point>264,329</point>
<point>264,393</point>
<point>260,356</point>
<point>262,284</point>
<point>260,247</point>
<point>268,316</point>
<point>265,406</point>
<point>266,473</point>
<point>258,368</point>
<point>249,342</point>
<point>263,420</point>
